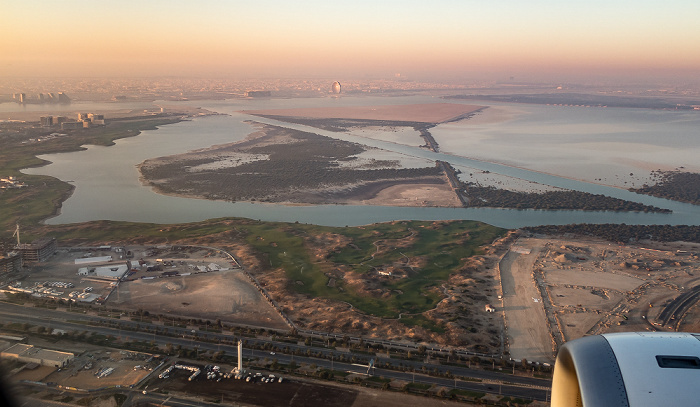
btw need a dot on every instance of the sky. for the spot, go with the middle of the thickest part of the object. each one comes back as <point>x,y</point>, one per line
<point>528,40</point>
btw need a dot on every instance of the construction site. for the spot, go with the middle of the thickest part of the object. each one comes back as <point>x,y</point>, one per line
<point>556,289</point>
<point>191,282</point>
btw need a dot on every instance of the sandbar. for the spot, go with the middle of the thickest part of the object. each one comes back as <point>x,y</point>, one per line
<point>422,113</point>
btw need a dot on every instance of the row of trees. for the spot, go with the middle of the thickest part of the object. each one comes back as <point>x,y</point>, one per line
<point>675,185</point>
<point>625,233</point>
<point>480,196</point>
<point>338,125</point>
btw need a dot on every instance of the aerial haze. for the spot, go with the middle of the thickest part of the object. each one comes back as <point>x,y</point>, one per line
<point>416,199</point>
<point>454,40</point>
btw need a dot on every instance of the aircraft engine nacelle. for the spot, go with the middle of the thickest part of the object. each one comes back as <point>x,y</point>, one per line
<point>634,369</point>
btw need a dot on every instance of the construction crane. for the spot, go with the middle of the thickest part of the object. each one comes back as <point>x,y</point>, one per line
<point>17,234</point>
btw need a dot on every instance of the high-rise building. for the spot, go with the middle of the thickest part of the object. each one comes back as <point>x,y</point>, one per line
<point>63,98</point>
<point>97,119</point>
<point>258,93</point>
<point>335,88</point>
<point>46,121</point>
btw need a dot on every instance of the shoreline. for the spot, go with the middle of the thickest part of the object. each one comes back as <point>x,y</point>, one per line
<point>58,195</point>
<point>199,173</point>
<point>360,198</point>
<point>59,204</point>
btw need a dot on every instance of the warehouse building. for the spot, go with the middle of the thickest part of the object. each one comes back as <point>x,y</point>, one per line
<point>32,354</point>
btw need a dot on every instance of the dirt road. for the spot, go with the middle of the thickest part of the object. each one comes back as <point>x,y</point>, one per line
<point>528,334</point>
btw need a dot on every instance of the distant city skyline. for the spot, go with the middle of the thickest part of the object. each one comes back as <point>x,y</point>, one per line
<point>443,40</point>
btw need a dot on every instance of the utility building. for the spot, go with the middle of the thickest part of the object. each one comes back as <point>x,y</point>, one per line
<point>31,354</point>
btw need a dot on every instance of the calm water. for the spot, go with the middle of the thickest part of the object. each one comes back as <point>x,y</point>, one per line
<point>577,140</point>
<point>583,143</point>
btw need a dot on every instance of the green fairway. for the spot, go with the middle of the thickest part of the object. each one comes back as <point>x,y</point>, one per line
<point>442,247</point>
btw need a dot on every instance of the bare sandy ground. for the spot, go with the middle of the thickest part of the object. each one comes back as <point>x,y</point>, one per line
<point>576,325</point>
<point>424,113</point>
<point>591,286</point>
<point>367,397</point>
<point>412,195</point>
<point>225,295</point>
<point>572,297</point>
<point>528,334</point>
<point>592,278</point>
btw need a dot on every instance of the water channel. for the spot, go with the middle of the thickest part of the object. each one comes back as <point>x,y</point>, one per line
<point>108,186</point>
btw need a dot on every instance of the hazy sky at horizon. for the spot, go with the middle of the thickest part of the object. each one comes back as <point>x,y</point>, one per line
<point>534,39</point>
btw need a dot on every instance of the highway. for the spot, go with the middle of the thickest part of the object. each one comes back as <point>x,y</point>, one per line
<point>490,381</point>
<point>673,313</point>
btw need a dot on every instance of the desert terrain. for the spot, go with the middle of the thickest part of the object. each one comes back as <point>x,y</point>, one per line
<point>387,300</point>
<point>225,295</point>
<point>556,289</point>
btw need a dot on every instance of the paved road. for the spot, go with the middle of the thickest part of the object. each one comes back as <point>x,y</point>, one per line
<point>537,388</point>
<point>673,313</point>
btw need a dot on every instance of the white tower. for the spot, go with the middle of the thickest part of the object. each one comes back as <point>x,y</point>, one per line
<point>240,356</point>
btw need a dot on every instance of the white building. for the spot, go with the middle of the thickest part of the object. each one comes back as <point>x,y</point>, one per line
<point>31,354</point>
<point>114,272</point>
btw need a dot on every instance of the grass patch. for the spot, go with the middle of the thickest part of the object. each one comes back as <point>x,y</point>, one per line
<point>341,373</point>
<point>377,379</point>
<point>515,400</point>
<point>418,386</point>
<point>467,393</point>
